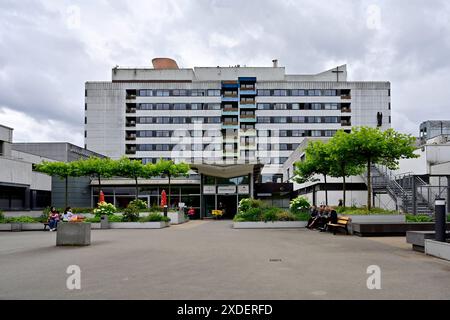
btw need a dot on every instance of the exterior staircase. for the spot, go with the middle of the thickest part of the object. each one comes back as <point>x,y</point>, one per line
<point>400,189</point>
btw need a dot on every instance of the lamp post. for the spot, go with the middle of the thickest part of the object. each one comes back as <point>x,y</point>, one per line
<point>440,223</point>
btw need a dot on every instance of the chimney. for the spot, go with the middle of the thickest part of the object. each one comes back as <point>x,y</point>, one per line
<point>275,63</point>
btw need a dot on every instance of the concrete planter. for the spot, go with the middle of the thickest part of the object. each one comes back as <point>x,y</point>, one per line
<point>32,226</point>
<point>138,225</point>
<point>176,217</point>
<point>16,227</point>
<point>5,226</point>
<point>377,218</point>
<point>438,249</point>
<point>95,225</point>
<point>269,225</point>
<point>73,234</point>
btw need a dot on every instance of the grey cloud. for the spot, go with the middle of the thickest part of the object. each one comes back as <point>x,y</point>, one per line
<point>44,64</point>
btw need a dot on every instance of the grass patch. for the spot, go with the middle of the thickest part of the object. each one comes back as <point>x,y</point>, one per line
<point>364,211</point>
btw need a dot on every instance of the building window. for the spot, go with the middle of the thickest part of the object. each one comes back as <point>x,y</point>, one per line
<point>280,92</point>
<point>263,92</point>
<point>213,92</point>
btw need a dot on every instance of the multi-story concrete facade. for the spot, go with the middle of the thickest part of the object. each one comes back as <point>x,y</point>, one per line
<point>225,114</point>
<point>230,123</point>
<point>433,128</point>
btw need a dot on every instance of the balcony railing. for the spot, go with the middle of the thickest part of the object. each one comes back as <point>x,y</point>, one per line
<point>131,137</point>
<point>130,151</point>
<point>248,101</point>
<point>248,116</point>
<point>131,96</point>
<point>230,95</point>
<point>346,97</point>
<point>131,124</point>
<point>230,109</point>
<point>131,110</point>
<point>347,110</point>
<point>230,123</point>
<point>346,123</point>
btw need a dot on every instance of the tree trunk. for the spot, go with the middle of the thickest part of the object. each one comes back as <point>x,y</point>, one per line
<point>66,192</point>
<point>99,185</point>
<point>343,190</point>
<point>137,187</point>
<point>326,189</point>
<point>168,202</point>
<point>369,186</point>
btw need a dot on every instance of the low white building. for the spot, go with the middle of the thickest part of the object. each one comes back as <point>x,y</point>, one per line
<point>21,188</point>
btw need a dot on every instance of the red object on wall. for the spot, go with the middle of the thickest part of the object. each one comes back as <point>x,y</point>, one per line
<point>163,198</point>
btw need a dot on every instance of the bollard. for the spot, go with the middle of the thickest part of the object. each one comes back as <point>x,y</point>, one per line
<point>104,222</point>
<point>440,223</point>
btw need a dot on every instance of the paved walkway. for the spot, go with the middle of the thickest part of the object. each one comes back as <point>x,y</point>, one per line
<point>210,260</point>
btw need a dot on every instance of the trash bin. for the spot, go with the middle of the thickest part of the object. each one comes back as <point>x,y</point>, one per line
<point>104,222</point>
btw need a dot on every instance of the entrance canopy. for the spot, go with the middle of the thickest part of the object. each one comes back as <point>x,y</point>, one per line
<point>227,170</point>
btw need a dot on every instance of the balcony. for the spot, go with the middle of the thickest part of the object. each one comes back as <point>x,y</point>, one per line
<point>248,118</point>
<point>230,111</point>
<point>131,97</point>
<point>250,91</point>
<point>130,110</point>
<point>130,123</point>
<point>130,150</point>
<point>346,97</point>
<point>247,101</point>
<point>248,132</point>
<point>346,123</point>
<point>130,137</point>
<point>346,109</point>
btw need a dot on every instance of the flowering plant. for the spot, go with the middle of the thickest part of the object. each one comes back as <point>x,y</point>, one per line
<point>104,208</point>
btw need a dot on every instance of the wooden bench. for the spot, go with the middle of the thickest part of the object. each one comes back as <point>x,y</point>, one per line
<point>342,222</point>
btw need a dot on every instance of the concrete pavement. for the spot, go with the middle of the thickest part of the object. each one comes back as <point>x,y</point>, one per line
<point>210,260</point>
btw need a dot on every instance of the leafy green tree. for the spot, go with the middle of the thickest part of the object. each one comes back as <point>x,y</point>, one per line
<point>170,169</point>
<point>373,146</point>
<point>343,162</point>
<point>95,167</point>
<point>63,170</point>
<point>317,161</point>
<point>127,168</point>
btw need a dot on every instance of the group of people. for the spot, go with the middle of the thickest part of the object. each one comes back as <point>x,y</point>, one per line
<point>321,216</point>
<point>54,217</point>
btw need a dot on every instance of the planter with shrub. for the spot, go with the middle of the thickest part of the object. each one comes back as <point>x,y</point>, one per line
<point>255,214</point>
<point>152,221</point>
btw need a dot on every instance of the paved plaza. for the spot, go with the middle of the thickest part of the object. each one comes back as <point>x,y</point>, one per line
<point>210,260</point>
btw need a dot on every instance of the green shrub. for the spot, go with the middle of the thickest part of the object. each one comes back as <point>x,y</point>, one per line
<point>285,216</point>
<point>105,208</point>
<point>302,216</point>
<point>156,208</point>
<point>93,220</point>
<point>251,214</point>
<point>248,203</point>
<point>270,214</point>
<point>2,216</point>
<point>23,219</point>
<point>419,218</point>
<point>139,204</point>
<point>131,213</point>
<point>299,204</point>
<point>364,211</point>
<point>115,218</point>
<point>154,217</point>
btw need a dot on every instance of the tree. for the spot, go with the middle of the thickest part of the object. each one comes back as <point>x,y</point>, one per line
<point>171,170</point>
<point>343,162</point>
<point>95,167</point>
<point>124,167</point>
<point>317,161</point>
<point>373,146</point>
<point>63,170</point>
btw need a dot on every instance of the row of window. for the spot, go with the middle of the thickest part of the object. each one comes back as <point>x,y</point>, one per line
<point>244,154</point>
<point>302,92</point>
<point>302,106</point>
<point>178,106</point>
<point>299,119</point>
<point>178,120</point>
<point>213,147</point>
<point>178,92</point>
<point>260,92</point>
<point>261,133</point>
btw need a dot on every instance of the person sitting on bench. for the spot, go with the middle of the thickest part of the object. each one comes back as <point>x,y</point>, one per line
<point>316,222</point>
<point>313,212</point>
<point>53,219</point>
<point>331,218</point>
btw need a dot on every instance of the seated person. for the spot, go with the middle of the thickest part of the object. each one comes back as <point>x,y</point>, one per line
<point>68,215</point>
<point>313,212</point>
<point>53,218</point>
<point>317,221</point>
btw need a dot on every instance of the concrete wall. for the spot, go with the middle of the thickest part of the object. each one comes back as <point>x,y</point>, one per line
<point>15,172</point>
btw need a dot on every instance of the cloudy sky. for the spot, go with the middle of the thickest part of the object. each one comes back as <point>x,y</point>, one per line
<point>48,49</point>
